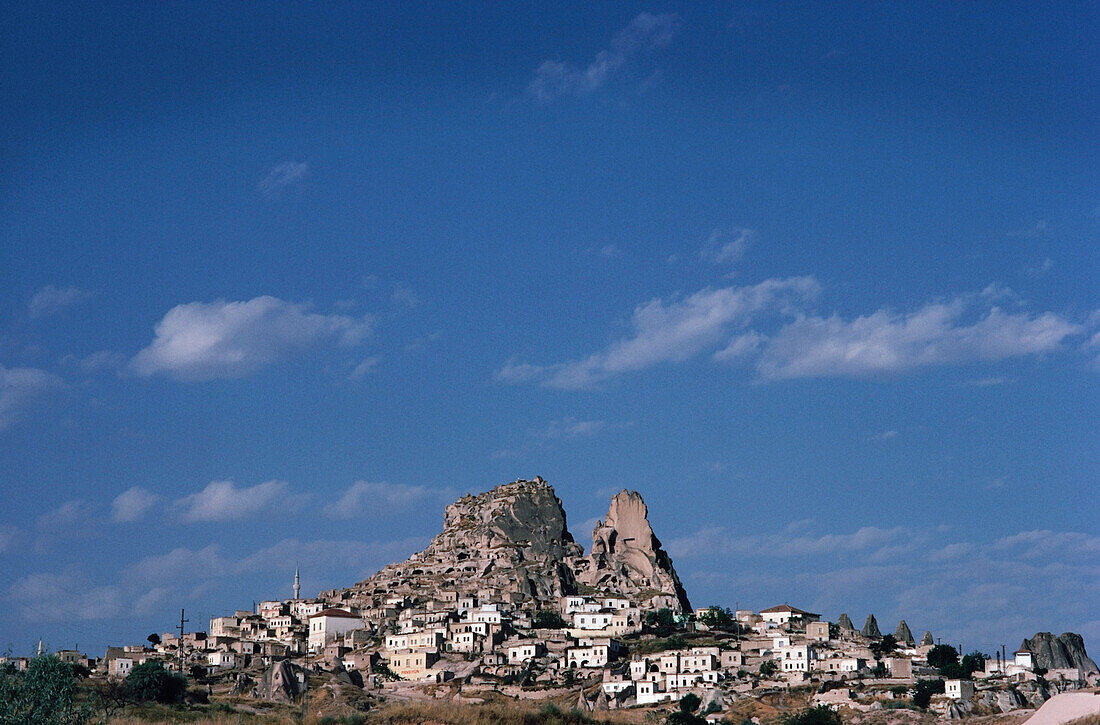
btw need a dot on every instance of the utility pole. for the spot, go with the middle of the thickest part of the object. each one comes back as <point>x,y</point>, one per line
<point>179,644</point>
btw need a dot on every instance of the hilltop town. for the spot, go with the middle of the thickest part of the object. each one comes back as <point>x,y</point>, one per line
<point>504,603</point>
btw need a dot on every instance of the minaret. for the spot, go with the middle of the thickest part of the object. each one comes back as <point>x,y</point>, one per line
<point>41,648</point>
<point>297,583</point>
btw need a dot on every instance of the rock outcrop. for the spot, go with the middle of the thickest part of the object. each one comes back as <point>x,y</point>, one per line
<point>281,683</point>
<point>512,540</point>
<point>627,558</point>
<point>926,639</point>
<point>870,627</point>
<point>844,622</point>
<point>902,635</point>
<point>1066,651</point>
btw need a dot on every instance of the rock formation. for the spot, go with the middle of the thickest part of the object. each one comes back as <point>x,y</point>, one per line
<point>870,627</point>
<point>926,639</point>
<point>845,623</point>
<point>627,558</point>
<point>1062,652</point>
<point>512,540</point>
<point>902,635</point>
<point>280,683</point>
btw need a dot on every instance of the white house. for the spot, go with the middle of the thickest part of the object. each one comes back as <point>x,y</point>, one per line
<point>327,624</point>
<point>522,651</point>
<point>221,659</point>
<point>959,689</point>
<point>785,613</point>
<point>795,658</point>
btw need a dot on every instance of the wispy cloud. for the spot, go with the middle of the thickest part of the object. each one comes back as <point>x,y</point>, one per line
<point>132,504</point>
<point>561,429</point>
<point>773,324</point>
<point>282,176</point>
<point>978,590</point>
<point>645,33</point>
<point>1040,269</point>
<point>51,300</point>
<point>364,368</point>
<point>365,498</point>
<point>47,597</point>
<point>672,331</point>
<point>887,342</point>
<point>726,246</point>
<point>18,387</point>
<point>203,341</point>
<point>73,513</point>
<point>223,501</point>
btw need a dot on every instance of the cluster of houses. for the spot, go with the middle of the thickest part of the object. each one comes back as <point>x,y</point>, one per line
<point>490,643</point>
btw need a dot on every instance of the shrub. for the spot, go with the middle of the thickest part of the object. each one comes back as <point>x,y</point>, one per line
<point>820,715</point>
<point>45,695</point>
<point>151,681</point>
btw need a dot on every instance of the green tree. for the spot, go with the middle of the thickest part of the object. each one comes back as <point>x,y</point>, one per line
<point>717,617</point>
<point>46,694</point>
<point>153,639</point>
<point>661,622</point>
<point>548,619</point>
<point>884,646</point>
<point>974,661</point>
<point>769,667</point>
<point>690,702</point>
<point>941,655</point>
<point>923,691</point>
<point>820,715</point>
<point>151,681</point>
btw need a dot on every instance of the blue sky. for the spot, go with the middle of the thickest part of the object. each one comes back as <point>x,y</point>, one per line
<point>278,283</point>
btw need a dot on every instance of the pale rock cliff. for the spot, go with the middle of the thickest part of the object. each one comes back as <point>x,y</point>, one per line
<point>627,558</point>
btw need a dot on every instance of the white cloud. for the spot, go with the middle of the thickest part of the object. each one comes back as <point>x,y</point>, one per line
<point>46,597</point>
<point>404,296</point>
<point>51,300</point>
<point>672,331</point>
<point>1041,268</point>
<point>977,591</point>
<point>203,341</point>
<point>223,501</point>
<point>18,387</point>
<point>372,497</point>
<point>885,342</point>
<point>740,347</point>
<point>71,514</point>
<point>567,428</point>
<point>717,540</point>
<point>132,504</point>
<point>726,246</point>
<point>282,176</point>
<point>364,368</point>
<point>645,33</point>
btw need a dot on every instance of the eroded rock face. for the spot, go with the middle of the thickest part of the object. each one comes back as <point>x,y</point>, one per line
<point>512,540</point>
<point>845,622</point>
<point>870,627</point>
<point>902,635</point>
<point>1065,651</point>
<point>627,558</point>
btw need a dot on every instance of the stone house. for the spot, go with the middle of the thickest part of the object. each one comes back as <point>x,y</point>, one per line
<point>329,623</point>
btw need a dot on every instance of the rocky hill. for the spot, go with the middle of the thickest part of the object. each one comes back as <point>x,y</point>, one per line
<point>513,541</point>
<point>627,558</point>
<point>1064,651</point>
